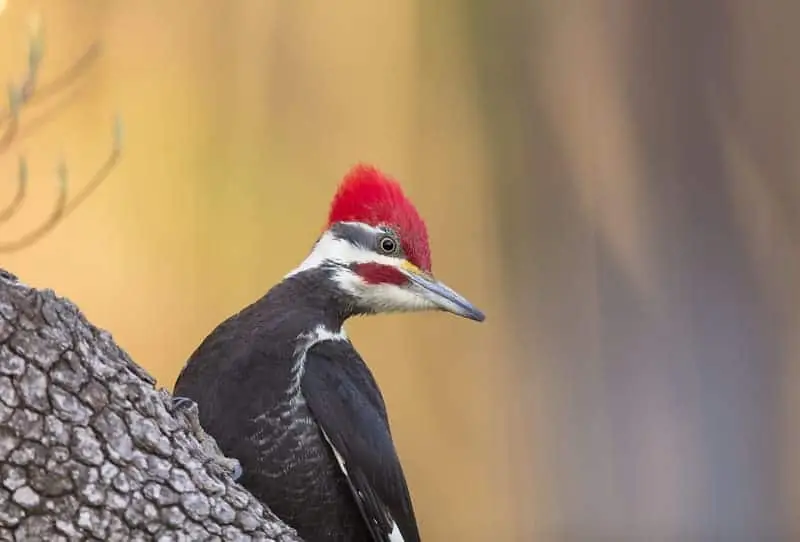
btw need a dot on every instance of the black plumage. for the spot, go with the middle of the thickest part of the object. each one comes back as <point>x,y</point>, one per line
<point>279,390</point>
<point>347,404</point>
<point>282,390</point>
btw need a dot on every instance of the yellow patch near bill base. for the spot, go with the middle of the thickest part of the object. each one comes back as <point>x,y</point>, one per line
<point>411,268</point>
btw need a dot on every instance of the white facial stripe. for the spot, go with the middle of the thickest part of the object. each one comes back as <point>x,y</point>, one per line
<point>330,248</point>
<point>377,297</point>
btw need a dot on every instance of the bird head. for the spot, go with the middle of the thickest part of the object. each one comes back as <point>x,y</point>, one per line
<point>376,245</point>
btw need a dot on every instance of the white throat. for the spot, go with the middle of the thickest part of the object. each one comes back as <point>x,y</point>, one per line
<point>334,249</point>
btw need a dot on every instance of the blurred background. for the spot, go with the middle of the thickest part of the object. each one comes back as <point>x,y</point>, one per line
<point>615,182</point>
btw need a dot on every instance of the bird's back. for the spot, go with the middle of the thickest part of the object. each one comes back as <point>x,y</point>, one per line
<point>244,379</point>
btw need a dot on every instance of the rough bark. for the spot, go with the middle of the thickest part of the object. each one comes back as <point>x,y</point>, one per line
<point>91,450</point>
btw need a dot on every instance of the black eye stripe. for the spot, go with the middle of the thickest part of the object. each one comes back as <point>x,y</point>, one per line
<point>368,238</point>
<point>354,234</point>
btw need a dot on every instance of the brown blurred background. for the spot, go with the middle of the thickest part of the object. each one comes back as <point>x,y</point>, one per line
<point>615,182</point>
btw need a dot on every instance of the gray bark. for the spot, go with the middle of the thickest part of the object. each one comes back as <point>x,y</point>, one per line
<point>91,450</point>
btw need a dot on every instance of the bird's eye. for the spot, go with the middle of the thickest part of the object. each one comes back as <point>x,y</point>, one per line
<point>388,245</point>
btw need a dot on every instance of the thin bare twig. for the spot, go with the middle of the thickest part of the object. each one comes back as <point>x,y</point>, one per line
<point>47,115</point>
<point>70,75</point>
<point>18,96</point>
<point>22,183</point>
<point>63,207</point>
<point>22,96</point>
<point>12,124</point>
<point>30,95</point>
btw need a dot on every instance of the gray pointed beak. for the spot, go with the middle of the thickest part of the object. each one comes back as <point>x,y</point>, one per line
<point>441,295</point>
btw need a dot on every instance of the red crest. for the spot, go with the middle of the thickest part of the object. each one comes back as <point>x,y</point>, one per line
<point>368,196</point>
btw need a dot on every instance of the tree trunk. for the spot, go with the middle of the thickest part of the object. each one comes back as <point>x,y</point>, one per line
<point>90,450</point>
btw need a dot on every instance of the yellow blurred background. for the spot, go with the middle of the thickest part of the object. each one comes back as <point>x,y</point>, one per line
<point>614,182</point>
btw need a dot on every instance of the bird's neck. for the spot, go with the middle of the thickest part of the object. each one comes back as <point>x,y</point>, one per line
<point>313,295</point>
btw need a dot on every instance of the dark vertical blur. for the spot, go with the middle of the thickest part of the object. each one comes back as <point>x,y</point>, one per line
<point>642,308</point>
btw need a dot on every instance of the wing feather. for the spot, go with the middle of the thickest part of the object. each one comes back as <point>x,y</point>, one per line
<point>348,406</point>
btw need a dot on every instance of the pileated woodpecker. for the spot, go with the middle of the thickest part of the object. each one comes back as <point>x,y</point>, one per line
<point>281,388</point>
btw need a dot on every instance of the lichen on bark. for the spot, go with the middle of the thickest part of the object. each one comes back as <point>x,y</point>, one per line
<point>91,450</point>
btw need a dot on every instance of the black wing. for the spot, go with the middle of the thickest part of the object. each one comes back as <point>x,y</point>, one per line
<point>348,406</point>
